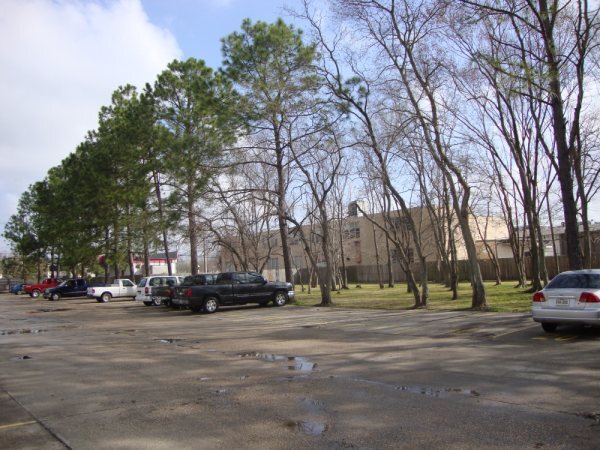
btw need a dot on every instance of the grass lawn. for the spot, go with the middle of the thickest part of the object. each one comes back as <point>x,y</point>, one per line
<point>503,298</point>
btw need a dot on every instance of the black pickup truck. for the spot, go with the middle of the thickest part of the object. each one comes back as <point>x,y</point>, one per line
<point>76,287</point>
<point>233,288</point>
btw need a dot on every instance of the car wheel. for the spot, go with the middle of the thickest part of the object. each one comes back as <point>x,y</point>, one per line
<point>156,301</point>
<point>280,298</point>
<point>549,327</point>
<point>105,298</point>
<point>147,303</point>
<point>55,297</point>
<point>211,304</point>
<point>35,293</point>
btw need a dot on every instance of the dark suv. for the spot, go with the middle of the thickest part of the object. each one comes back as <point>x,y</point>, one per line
<point>75,287</point>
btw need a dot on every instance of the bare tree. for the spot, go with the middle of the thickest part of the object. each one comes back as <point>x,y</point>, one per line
<point>242,213</point>
<point>405,33</point>
<point>555,41</point>
<point>319,159</point>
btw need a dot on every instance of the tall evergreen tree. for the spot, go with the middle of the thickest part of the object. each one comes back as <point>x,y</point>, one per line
<point>197,111</point>
<point>274,69</point>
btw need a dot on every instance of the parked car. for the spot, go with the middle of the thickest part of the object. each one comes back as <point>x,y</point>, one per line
<point>570,298</point>
<point>75,287</point>
<point>144,287</point>
<point>201,279</point>
<point>35,290</point>
<point>17,289</point>
<point>163,293</point>
<point>121,287</point>
<point>233,288</point>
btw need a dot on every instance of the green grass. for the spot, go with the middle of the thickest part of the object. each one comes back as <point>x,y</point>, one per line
<point>502,298</point>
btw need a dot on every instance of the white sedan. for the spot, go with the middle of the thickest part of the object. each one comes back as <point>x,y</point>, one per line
<point>571,298</point>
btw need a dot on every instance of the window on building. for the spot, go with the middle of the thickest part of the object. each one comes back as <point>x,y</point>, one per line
<point>402,223</point>
<point>298,261</point>
<point>273,263</point>
<point>396,256</point>
<point>351,230</point>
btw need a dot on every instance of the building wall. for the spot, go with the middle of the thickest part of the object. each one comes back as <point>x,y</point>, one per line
<point>360,236</point>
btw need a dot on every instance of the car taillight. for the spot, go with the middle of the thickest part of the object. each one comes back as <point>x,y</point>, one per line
<point>588,297</point>
<point>188,292</point>
<point>146,291</point>
<point>539,297</point>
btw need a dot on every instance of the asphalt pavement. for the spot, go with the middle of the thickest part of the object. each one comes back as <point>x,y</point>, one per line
<point>85,375</point>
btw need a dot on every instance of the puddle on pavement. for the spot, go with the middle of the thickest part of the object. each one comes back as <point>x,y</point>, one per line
<point>168,341</point>
<point>308,427</point>
<point>435,392</point>
<point>21,357</point>
<point>263,356</point>
<point>301,364</point>
<point>23,331</point>
<point>313,406</point>
<point>427,391</point>
<point>297,363</point>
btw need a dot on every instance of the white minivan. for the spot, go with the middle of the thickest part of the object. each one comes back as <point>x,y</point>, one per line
<point>144,287</point>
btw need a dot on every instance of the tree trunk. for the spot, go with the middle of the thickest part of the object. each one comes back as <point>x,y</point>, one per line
<point>377,261</point>
<point>555,253</point>
<point>389,264</point>
<point>281,205</point>
<point>344,273</point>
<point>193,238</point>
<point>563,150</point>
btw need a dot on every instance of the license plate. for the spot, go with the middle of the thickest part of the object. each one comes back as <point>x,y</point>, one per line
<point>562,302</point>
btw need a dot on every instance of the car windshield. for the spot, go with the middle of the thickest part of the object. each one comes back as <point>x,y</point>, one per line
<point>575,281</point>
<point>142,282</point>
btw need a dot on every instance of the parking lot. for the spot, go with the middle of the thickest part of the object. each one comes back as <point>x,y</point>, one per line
<point>85,375</point>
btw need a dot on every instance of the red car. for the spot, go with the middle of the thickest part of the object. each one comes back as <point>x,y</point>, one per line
<point>35,290</point>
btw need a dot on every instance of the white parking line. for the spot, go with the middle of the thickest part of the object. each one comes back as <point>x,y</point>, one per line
<point>17,424</point>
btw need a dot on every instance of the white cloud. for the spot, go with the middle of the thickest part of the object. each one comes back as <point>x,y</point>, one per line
<point>61,61</point>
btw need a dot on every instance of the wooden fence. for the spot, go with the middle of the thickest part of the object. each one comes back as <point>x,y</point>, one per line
<point>508,270</point>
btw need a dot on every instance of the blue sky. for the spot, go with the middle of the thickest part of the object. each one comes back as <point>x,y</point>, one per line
<point>62,59</point>
<point>199,25</point>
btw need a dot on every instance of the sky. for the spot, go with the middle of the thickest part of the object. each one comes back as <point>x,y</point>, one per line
<point>62,59</point>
